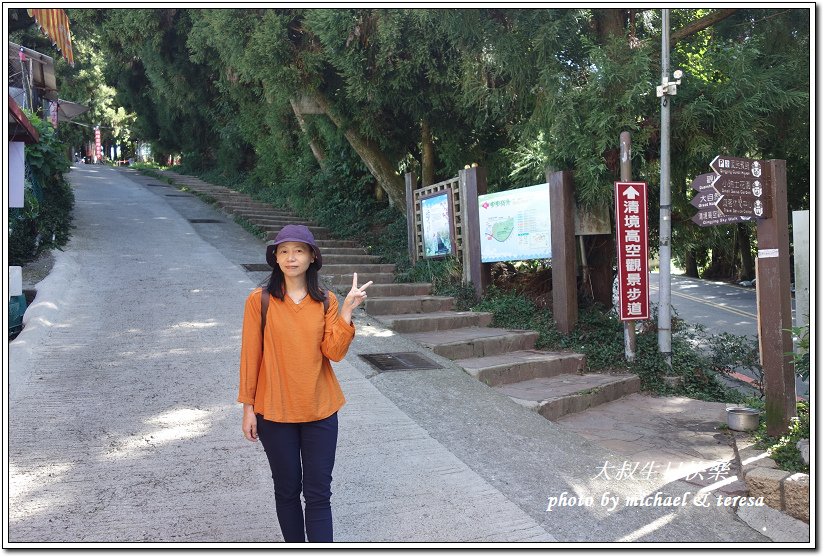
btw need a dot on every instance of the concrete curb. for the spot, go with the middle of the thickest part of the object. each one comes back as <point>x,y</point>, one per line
<point>785,515</point>
<point>44,310</point>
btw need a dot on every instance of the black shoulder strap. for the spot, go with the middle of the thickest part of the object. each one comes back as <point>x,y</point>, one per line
<point>264,306</point>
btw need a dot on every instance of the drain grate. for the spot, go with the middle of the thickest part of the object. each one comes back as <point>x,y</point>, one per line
<point>399,361</point>
<point>204,221</point>
<point>256,267</point>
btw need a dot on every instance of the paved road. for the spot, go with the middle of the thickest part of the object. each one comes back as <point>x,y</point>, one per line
<point>123,425</point>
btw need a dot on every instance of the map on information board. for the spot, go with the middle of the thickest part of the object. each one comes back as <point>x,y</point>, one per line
<point>515,224</point>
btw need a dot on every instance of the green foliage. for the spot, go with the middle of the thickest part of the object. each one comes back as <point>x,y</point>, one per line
<point>44,222</point>
<point>730,353</point>
<point>783,450</point>
<point>515,90</point>
<point>801,357</point>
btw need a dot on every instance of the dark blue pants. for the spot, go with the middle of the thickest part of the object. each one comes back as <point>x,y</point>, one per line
<point>313,445</point>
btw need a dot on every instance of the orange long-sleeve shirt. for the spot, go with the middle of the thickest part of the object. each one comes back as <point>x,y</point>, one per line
<point>291,379</point>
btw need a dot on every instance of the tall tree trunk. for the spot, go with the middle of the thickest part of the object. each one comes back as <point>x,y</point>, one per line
<point>427,155</point>
<point>378,164</point>
<point>609,22</point>
<point>692,264</point>
<point>747,262</point>
<point>317,150</point>
<point>600,250</point>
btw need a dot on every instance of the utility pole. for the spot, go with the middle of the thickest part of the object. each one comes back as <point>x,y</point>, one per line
<point>664,91</point>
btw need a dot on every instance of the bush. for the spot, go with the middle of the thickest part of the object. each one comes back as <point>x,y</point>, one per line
<point>44,222</point>
<point>783,450</point>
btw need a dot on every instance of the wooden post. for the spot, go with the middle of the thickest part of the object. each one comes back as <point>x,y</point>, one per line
<point>411,181</point>
<point>472,184</point>
<point>564,288</point>
<point>772,269</point>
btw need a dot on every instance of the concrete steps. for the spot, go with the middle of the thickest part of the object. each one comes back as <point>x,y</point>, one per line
<point>376,291</point>
<point>338,258</point>
<point>553,397</point>
<point>343,283</point>
<point>523,365</point>
<point>406,304</point>
<point>448,321</point>
<point>475,342</point>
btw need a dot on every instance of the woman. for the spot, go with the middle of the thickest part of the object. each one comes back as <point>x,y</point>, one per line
<point>289,392</point>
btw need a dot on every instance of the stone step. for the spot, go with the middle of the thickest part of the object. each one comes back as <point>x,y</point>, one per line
<point>317,231</point>
<point>398,289</point>
<point>475,342</point>
<point>361,269</point>
<point>554,397</point>
<point>397,305</point>
<point>270,219</point>
<point>336,258</point>
<point>336,251</point>
<point>262,209</point>
<point>523,365</point>
<point>435,321</point>
<point>262,213</point>
<point>342,283</point>
<point>324,244</point>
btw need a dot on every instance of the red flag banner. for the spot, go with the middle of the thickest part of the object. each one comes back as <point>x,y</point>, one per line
<point>55,24</point>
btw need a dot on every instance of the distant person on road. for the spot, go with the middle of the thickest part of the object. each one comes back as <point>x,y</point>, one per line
<point>289,391</point>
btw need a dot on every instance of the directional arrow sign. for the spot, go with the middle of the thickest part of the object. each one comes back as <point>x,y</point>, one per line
<point>730,205</point>
<point>713,217</point>
<point>742,186</point>
<point>703,182</point>
<point>630,193</point>
<point>736,166</point>
<point>705,199</point>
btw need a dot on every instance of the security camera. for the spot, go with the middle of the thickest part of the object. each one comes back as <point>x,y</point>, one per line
<point>677,74</point>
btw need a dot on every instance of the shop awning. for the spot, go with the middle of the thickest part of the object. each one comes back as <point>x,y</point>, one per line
<point>42,69</point>
<point>68,110</point>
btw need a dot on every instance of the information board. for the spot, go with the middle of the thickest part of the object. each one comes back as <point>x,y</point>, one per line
<point>515,224</point>
<point>436,225</point>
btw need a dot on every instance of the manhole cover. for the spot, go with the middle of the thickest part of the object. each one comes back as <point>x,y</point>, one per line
<point>202,221</point>
<point>256,267</point>
<point>399,361</point>
<point>158,185</point>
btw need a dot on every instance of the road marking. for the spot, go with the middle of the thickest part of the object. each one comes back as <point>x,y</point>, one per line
<point>713,304</point>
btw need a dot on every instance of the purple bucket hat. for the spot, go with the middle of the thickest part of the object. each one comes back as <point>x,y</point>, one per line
<point>292,233</point>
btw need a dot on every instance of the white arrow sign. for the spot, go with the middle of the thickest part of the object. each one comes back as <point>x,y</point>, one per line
<point>631,192</point>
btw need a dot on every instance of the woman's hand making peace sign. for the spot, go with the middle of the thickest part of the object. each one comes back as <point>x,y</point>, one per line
<point>355,297</point>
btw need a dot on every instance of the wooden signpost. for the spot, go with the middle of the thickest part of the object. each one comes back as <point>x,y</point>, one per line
<point>738,190</point>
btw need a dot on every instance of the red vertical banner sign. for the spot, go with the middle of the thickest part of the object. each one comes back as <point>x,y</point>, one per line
<point>633,250</point>
<point>98,148</point>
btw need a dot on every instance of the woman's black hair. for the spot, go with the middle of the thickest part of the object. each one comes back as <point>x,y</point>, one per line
<point>277,287</point>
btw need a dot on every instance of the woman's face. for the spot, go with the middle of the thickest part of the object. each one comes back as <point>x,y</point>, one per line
<point>294,258</point>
